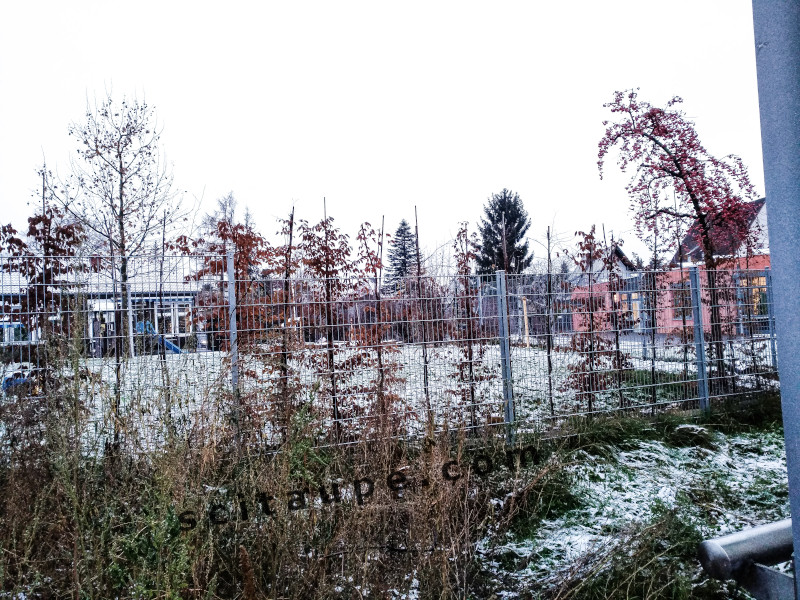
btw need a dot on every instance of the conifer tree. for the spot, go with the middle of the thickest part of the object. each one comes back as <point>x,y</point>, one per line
<point>402,255</point>
<point>502,209</point>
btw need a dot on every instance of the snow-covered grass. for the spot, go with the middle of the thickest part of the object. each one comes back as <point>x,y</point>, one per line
<point>613,508</point>
<point>693,482</point>
<point>184,393</point>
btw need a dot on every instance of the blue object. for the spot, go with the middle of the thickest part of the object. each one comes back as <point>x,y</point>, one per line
<point>147,328</point>
<point>12,381</point>
<point>19,377</point>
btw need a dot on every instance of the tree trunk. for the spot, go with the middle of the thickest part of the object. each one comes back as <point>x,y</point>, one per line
<point>123,251</point>
<point>717,345</point>
<point>590,395</point>
<point>284,360</point>
<point>549,327</point>
<point>470,353</point>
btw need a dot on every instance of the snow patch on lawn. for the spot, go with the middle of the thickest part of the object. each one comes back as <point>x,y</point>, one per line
<point>739,483</point>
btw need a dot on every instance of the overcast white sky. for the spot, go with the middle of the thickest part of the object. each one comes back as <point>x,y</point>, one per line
<point>377,106</point>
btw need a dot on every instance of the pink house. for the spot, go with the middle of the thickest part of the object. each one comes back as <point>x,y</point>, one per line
<point>630,300</point>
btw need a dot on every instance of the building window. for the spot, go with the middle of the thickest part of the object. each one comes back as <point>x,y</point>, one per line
<point>164,316</point>
<point>755,295</point>
<point>681,300</point>
<point>627,305</point>
<point>184,319</point>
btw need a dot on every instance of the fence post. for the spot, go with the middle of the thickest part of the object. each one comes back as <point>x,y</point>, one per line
<point>525,320</point>
<point>480,301</point>
<point>699,340</point>
<point>505,355</point>
<point>777,44</point>
<point>741,299</point>
<point>643,315</point>
<point>773,352</point>
<point>234,343</point>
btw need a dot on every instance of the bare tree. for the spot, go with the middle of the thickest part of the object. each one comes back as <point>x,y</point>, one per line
<point>120,191</point>
<point>119,187</point>
<point>225,212</point>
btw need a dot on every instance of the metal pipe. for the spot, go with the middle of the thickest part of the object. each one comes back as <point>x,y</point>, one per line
<point>730,556</point>
<point>699,340</point>
<point>773,352</point>
<point>505,355</point>
<point>234,343</point>
<point>776,25</point>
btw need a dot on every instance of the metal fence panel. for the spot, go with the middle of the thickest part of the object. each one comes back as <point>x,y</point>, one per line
<point>151,359</point>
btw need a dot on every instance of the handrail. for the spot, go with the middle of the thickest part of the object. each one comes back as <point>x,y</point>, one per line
<point>727,556</point>
<point>745,555</point>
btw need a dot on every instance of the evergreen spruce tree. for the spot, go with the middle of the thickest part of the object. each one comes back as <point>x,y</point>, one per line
<point>499,207</point>
<point>402,255</point>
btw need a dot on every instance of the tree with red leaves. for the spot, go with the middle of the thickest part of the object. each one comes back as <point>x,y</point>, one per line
<point>44,256</point>
<point>374,352</point>
<point>327,259</point>
<point>343,301</point>
<point>264,340</point>
<point>596,358</point>
<point>469,359</point>
<point>663,147</point>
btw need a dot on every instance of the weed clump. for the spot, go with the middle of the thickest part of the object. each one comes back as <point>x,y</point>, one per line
<point>647,560</point>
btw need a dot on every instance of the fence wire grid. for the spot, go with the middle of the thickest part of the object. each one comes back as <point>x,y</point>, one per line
<point>177,349</point>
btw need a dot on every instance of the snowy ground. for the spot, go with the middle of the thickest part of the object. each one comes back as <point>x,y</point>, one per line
<point>188,385</point>
<point>729,482</point>
<point>738,482</point>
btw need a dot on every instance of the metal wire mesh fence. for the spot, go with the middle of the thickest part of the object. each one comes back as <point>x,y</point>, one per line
<point>177,349</point>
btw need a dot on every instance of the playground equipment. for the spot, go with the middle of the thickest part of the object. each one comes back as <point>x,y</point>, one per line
<point>746,556</point>
<point>146,327</point>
